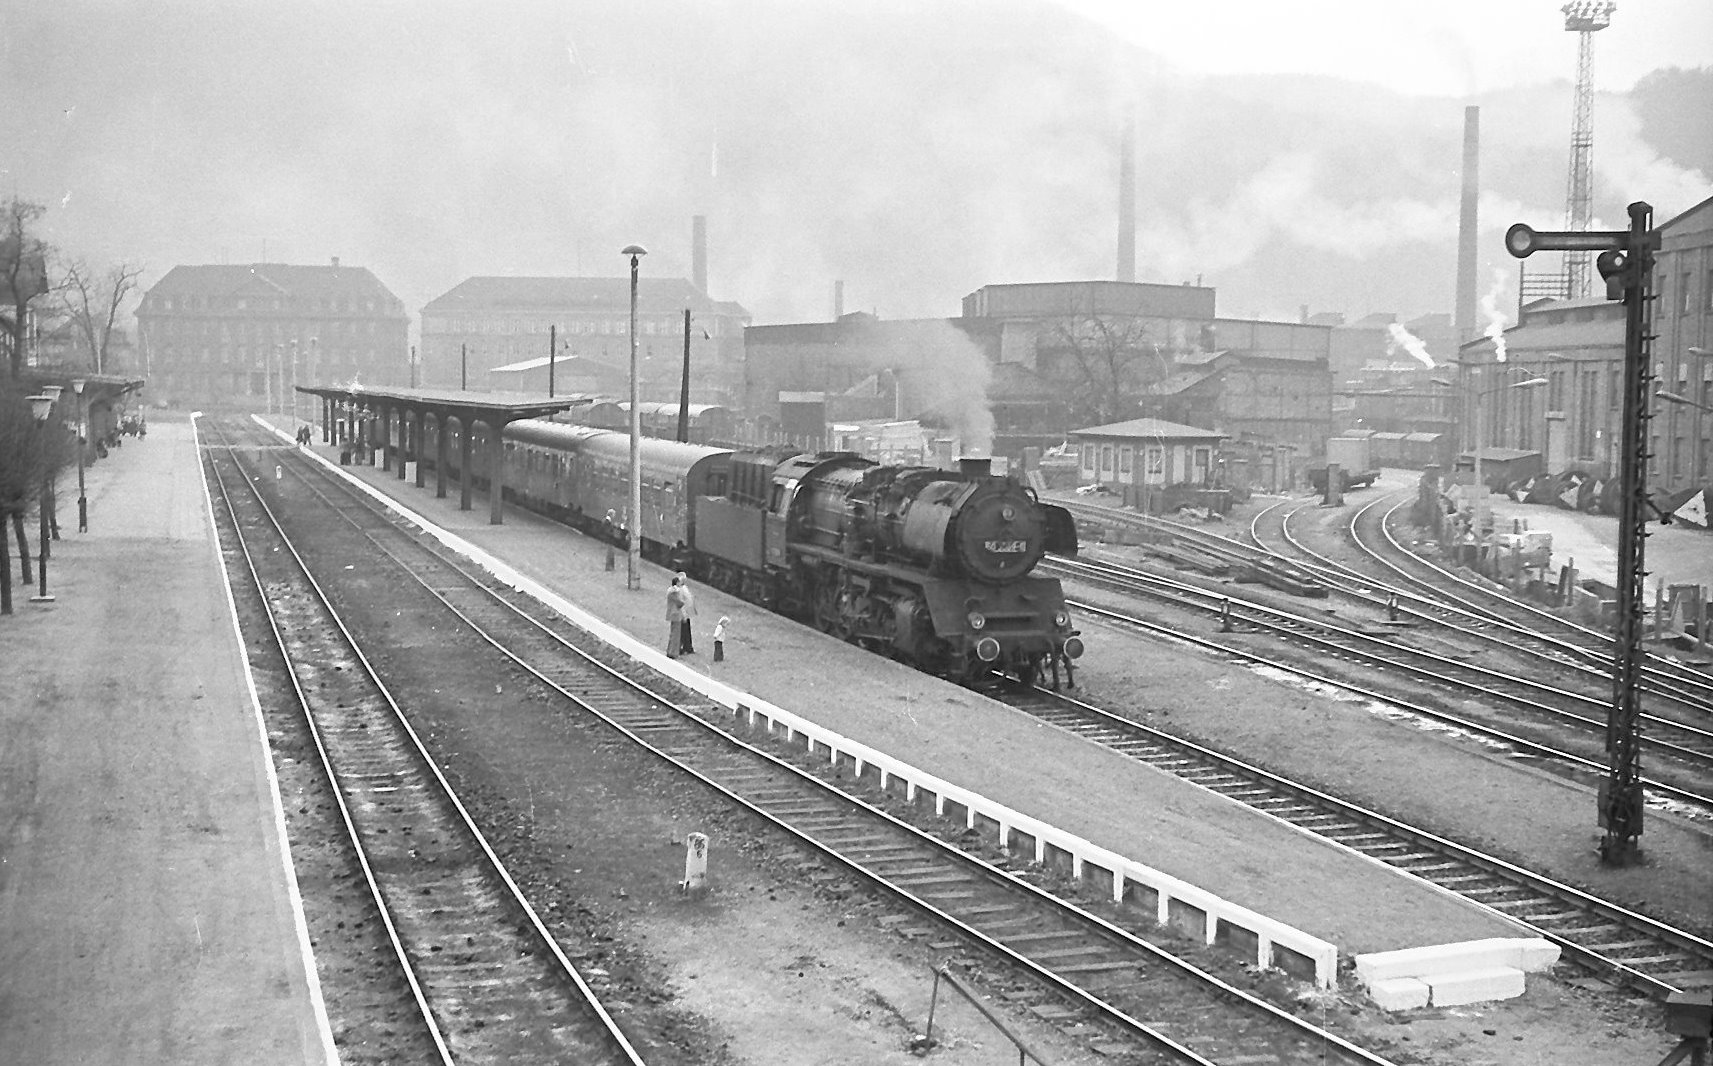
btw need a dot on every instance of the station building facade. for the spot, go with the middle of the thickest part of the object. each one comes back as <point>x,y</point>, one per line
<point>231,335</point>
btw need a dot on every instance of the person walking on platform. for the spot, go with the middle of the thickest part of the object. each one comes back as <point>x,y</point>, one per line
<point>686,642</point>
<point>674,618</point>
<point>720,638</point>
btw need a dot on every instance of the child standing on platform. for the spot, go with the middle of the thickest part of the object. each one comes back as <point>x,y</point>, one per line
<point>720,639</point>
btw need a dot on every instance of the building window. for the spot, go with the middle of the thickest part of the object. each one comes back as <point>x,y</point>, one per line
<point>1686,299</point>
<point>1088,458</point>
<point>1585,417</point>
<point>1156,462</point>
<point>1555,402</point>
<point>1124,458</point>
<point>1106,458</point>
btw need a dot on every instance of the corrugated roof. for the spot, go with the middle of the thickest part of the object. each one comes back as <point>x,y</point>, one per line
<point>555,294</point>
<point>1147,427</point>
<point>284,279</point>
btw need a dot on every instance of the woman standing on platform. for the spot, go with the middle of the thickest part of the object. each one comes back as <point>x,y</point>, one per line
<point>674,618</point>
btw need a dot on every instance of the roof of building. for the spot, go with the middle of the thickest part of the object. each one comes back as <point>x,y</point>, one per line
<point>557,294</point>
<point>1149,427</point>
<point>572,363</point>
<point>283,279</point>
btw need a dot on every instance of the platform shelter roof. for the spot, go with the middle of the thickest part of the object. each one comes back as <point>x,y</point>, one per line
<point>486,406</point>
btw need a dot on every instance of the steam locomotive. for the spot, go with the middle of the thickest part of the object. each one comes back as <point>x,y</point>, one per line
<point>930,566</point>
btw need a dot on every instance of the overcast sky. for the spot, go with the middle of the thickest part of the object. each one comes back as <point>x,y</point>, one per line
<point>1421,47</point>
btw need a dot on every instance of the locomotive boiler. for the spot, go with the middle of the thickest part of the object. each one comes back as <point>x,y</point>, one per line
<point>931,565</point>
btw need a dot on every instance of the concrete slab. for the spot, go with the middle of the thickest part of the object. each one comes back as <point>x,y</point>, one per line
<point>1527,954</point>
<point>1475,986</point>
<point>1399,993</point>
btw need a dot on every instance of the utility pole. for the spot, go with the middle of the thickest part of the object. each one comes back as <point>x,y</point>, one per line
<point>552,355</point>
<point>684,385</point>
<point>1626,259</point>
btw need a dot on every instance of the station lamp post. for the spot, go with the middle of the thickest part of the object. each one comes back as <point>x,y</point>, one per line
<point>82,500</point>
<point>633,527</point>
<point>41,406</point>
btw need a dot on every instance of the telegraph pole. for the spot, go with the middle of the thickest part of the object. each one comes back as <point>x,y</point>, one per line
<point>1625,260</point>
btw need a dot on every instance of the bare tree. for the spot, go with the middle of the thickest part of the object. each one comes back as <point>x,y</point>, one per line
<point>1106,362</point>
<point>23,270</point>
<point>93,301</point>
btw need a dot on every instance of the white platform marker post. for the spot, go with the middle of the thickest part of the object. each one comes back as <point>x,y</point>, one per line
<point>695,881</point>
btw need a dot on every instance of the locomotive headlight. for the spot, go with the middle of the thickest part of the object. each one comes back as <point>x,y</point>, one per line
<point>977,620</point>
<point>1008,512</point>
<point>1073,648</point>
<point>1062,618</point>
<point>987,649</point>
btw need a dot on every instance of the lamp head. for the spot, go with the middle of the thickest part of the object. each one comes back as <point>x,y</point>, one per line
<point>52,391</point>
<point>1528,384</point>
<point>634,250</point>
<point>77,385</point>
<point>40,405</point>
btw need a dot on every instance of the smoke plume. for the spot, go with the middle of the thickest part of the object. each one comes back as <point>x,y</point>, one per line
<point>1399,337</point>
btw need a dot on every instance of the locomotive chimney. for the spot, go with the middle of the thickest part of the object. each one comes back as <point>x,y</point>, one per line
<point>972,466</point>
<point>699,252</point>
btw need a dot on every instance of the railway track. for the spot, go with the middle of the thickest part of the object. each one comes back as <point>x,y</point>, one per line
<point>1420,589</point>
<point>1097,971</point>
<point>1692,747</point>
<point>1618,944</point>
<point>468,944</point>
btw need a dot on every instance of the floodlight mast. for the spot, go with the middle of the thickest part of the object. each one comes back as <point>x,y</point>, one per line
<point>1586,18</point>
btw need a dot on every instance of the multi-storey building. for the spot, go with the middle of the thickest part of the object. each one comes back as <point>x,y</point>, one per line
<point>214,336</point>
<point>1056,355</point>
<point>487,322</point>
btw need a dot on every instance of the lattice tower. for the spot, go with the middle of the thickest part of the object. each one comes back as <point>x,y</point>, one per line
<point>1584,18</point>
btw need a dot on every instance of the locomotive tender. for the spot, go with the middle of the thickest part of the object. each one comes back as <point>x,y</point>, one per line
<point>930,566</point>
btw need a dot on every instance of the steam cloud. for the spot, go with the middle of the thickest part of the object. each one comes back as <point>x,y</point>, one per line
<point>944,374</point>
<point>1399,337</point>
<point>1495,330</point>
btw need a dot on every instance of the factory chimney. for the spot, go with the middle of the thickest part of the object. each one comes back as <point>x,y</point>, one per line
<point>1463,314</point>
<point>1127,199</point>
<point>838,300</point>
<point>699,252</point>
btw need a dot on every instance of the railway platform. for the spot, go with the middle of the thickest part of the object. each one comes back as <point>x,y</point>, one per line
<point>969,740</point>
<point>147,912</point>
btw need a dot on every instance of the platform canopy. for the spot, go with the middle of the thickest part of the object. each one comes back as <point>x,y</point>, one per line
<point>503,407</point>
<point>393,424</point>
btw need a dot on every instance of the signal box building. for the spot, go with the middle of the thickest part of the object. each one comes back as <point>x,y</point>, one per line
<point>221,336</point>
<point>1146,451</point>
